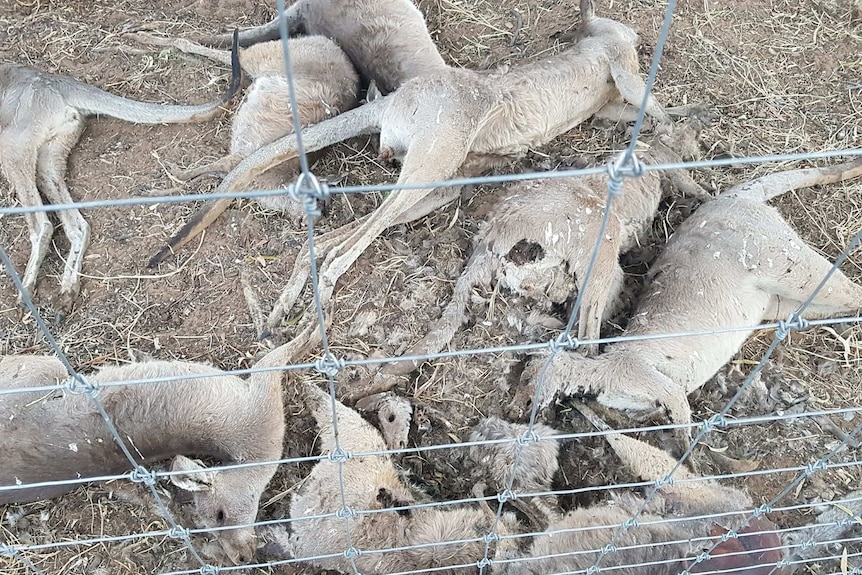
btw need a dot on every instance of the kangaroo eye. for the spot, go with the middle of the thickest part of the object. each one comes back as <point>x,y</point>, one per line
<point>220,517</point>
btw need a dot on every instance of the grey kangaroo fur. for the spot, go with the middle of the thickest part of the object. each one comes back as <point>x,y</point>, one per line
<point>658,548</point>
<point>536,467</point>
<point>60,435</point>
<point>734,262</point>
<point>386,40</point>
<point>373,483</point>
<point>563,216</point>
<point>41,118</point>
<point>325,84</point>
<point>457,119</point>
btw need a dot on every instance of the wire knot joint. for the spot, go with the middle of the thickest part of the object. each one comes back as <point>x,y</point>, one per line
<point>80,385</point>
<point>141,474</point>
<point>329,365</point>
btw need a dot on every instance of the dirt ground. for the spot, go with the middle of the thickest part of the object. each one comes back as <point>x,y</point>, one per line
<point>782,75</point>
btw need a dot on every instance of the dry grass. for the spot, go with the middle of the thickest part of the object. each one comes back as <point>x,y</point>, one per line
<point>784,76</point>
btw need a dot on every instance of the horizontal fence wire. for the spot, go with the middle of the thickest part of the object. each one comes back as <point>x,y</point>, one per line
<point>476,180</point>
<point>797,543</point>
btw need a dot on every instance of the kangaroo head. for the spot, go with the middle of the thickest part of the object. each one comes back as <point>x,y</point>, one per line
<point>222,499</point>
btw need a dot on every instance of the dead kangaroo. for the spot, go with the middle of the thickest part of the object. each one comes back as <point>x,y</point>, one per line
<point>386,40</point>
<point>373,484</point>
<point>734,262</point>
<point>41,118</point>
<point>325,84</point>
<point>457,119</point>
<point>61,436</point>
<point>563,216</point>
<point>654,548</point>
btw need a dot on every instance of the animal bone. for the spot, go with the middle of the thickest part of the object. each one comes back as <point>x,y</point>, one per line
<point>460,119</point>
<point>659,548</point>
<point>325,84</point>
<point>563,216</point>
<point>386,40</point>
<point>734,262</point>
<point>41,118</point>
<point>61,436</point>
<point>372,483</point>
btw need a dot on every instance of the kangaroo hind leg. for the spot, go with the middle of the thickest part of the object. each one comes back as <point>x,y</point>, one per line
<point>51,178</point>
<point>19,167</point>
<point>602,291</point>
<point>802,274</point>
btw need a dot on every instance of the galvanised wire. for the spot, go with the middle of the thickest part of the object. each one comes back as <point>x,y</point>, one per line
<point>742,422</point>
<point>674,560</point>
<point>307,190</point>
<point>794,546</point>
<point>79,385</point>
<point>719,420</point>
<point>291,89</point>
<point>626,166</point>
<point>375,188</point>
<point>12,552</point>
<point>438,504</point>
<point>810,470</point>
<point>517,348</point>
<point>507,561</point>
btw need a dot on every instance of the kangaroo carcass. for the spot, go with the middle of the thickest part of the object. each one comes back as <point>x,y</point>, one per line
<point>41,118</point>
<point>325,84</point>
<point>62,436</point>
<point>386,40</point>
<point>563,217</point>
<point>734,263</point>
<point>377,495</point>
<point>675,526</point>
<point>460,119</point>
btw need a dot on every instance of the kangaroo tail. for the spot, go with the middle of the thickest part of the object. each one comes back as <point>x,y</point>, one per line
<point>646,461</point>
<point>262,33</point>
<point>95,101</point>
<point>362,120</point>
<point>773,185</point>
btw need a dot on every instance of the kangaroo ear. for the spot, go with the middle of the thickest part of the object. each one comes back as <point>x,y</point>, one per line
<point>373,92</point>
<point>632,88</point>
<point>193,476</point>
<point>588,11</point>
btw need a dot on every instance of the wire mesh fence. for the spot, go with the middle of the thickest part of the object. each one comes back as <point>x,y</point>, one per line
<point>623,536</point>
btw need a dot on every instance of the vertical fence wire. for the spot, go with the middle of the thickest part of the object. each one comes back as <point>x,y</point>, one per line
<point>308,190</point>
<point>627,165</point>
<point>79,385</point>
